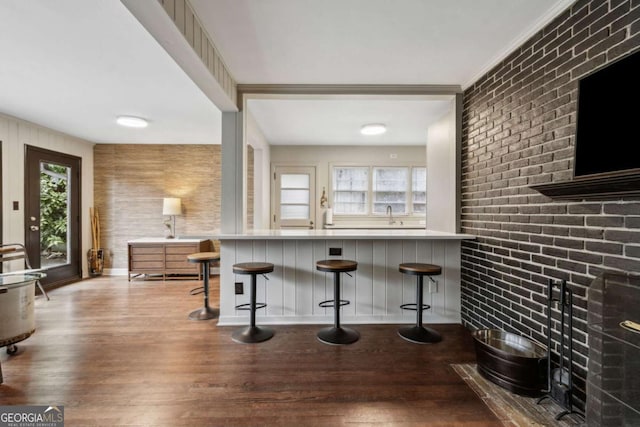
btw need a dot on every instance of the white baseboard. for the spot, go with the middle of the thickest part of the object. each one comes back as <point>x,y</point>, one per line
<point>328,320</point>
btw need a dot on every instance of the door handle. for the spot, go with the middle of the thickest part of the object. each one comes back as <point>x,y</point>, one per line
<point>34,228</point>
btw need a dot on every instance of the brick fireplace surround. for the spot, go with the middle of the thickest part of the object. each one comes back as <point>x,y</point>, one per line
<point>613,380</point>
<point>518,130</point>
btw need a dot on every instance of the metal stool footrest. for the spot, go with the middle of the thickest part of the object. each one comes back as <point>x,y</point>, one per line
<point>197,291</point>
<point>331,303</point>
<point>413,306</point>
<point>247,306</point>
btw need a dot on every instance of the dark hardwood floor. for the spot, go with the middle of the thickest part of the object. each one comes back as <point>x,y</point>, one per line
<point>124,354</point>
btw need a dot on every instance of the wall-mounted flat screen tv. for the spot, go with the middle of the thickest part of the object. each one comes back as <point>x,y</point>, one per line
<point>608,120</point>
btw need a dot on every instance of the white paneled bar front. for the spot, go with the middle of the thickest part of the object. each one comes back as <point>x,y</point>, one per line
<point>375,291</point>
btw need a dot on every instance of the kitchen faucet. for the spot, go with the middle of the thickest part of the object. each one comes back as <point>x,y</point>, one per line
<point>390,213</point>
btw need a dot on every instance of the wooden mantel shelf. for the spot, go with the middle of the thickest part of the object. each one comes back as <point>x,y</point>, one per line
<point>595,188</point>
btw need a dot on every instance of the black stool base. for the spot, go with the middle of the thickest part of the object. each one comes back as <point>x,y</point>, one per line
<point>252,334</point>
<point>338,336</point>
<point>420,334</point>
<point>204,313</point>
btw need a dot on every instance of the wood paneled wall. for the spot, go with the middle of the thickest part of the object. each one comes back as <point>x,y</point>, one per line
<point>15,134</point>
<point>132,179</point>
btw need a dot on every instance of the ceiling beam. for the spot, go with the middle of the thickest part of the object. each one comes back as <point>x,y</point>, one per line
<point>248,90</point>
<point>177,29</point>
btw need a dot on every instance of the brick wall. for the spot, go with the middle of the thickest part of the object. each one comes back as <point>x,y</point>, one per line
<point>519,130</point>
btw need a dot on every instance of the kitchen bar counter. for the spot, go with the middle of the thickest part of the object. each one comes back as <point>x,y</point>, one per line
<point>341,234</point>
<point>376,289</point>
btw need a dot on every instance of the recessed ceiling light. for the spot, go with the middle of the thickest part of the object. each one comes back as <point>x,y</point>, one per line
<point>132,122</point>
<point>373,129</point>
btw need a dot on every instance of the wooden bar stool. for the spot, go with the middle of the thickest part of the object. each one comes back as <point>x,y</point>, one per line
<point>337,334</point>
<point>204,258</point>
<point>252,333</point>
<point>418,333</point>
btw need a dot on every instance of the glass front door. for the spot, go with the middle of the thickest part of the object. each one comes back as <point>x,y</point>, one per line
<point>55,204</point>
<point>52,214</point>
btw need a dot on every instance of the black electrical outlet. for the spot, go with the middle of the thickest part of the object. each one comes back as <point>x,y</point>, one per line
<point>335,251</point>
<point>239,288</point>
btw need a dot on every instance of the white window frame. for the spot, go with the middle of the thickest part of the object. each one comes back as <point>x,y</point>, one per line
<point>367,191</point>
<point>407,191</point>
<point>369,207</point>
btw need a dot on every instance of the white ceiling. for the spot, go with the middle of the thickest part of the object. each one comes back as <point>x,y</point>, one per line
<point>74,65</point>
<point>338,121</point>
<point>369,41</point>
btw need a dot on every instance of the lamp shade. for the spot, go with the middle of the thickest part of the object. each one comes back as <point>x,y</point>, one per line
<point>171,206</point>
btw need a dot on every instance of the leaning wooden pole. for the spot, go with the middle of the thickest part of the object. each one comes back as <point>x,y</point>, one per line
<point>98,236</point>
<point>95,238</point>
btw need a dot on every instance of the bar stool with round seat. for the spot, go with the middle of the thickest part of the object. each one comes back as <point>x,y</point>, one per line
<point>205,259</point>
<point>252,333</point>
<point>337,334</point>
<point>418,333</point>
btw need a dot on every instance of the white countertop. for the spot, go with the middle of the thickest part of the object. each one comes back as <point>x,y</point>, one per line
<point>337,234</point>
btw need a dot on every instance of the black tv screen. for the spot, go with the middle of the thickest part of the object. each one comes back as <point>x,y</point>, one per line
<point>608,120</point>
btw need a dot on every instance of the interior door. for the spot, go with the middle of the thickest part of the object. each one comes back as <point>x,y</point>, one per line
<point>294,196</point>
<point>52,214</point>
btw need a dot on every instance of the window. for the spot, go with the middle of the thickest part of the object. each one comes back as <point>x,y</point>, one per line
<point>419,190</point>
<point>294,196</point>
<point>350,190</point>
<point>368,190</point>
<point>390,188</point>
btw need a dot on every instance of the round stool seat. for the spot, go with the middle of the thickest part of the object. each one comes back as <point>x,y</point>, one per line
<point>420,269</point>
<point>204,257</point>
<point>253,268</point>
<point>336,265</point>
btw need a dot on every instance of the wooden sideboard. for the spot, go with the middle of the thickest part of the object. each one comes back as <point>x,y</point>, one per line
<point>165,257</point>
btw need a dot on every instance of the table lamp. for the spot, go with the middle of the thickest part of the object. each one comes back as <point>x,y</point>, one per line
<point>172,206</point>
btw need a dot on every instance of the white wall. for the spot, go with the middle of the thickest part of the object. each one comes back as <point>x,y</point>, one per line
<point>261,162</point>
<point>323,156</point>
<point>442,174</point>
<point>15,134</point>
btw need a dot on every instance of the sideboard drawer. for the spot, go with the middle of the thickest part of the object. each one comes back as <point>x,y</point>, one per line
<point>182,249</point>
<point>147,265</point>
<point>141,250</point>
<point>166,258</point>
